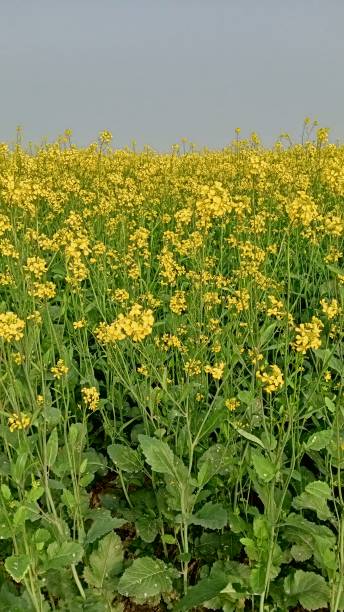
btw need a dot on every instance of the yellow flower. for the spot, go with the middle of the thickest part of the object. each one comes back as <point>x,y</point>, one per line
<point>18,358</point>
<point>143,370</point>
<point>136,325</point>
<point>105,137</point>
<point>79,324</point>
<point>232,404</point>
<point>11,327</point>
<point>120,295</point>
<point>36,265</point>
<point>60,369</point>
<point>216,370</point>
<point>90,396</point>
<point>35,317</point>
<point>271,380</point>
<point>18,420</point>
<point>178,302</point>
<point>330,309</point>
<point>308,336</point>
<point>193,367</point>
<point>43,290</point>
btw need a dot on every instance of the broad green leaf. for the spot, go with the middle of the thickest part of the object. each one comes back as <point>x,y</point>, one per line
<point>35,493</point>
<point>205,589</point>
<point>217,459</point>
<point>25,512</point>
<point>124,458</point>
<point>158,454</point>
<point>9,602</point>
<point>210,516</point>
<point>308,588</point>
<point>102,525</point>
<point>319,440</point>
<point>63,555</point>
<point>52,448</point>
<point>76,437</point>
<point>105,562</point>
<point>265,469</point>
<point>250,548</point>
<point>17,566</point>
<point>261,528</point>
<point>144,579</point>
<point>314,497</point>
<point>301,552</point>
<point>147,528</point>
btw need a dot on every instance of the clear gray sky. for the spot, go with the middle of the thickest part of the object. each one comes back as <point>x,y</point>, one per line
<point>160,70</point>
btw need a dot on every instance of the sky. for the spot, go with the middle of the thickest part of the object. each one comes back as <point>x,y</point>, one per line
<point>160,70</point>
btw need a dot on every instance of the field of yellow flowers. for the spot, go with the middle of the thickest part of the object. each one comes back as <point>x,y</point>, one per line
<point>171,377</point>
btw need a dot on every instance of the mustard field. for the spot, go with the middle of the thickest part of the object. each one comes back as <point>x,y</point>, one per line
<point>171,376</point>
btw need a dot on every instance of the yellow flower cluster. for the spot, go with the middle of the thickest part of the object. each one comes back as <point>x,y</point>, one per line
<point>120,295</point>
<point>271,379</point>
<point>44,291</point>
<point>137,325</point>
<point>216,370</point>
<point>18,420</point>
<point>11,327</point>
<point>178,302</point>
<point>79,324</point>
<point>308,336</point>
<point>232,404</point>
<point>36,265</point>
<point>330,309</point>
<point>90,395</point>
<point>60,369</point>
<point>302,210</point>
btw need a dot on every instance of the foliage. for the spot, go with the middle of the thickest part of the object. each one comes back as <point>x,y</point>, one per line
<point>171,377</point>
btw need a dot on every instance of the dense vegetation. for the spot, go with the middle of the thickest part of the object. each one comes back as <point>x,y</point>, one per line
<point>171,377</point>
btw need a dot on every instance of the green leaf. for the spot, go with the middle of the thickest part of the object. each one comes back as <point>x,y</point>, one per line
<point>217,459</point>
<point>301,552</point>
<point>319,440</point>
<point>5,531</point>
<point>124,458</point>
<point>35,493</point>
<point>63,555</point>
<point>102,525</point>
<point>52,448</point>
<point>314,498</point>
<point>205,589</point>
<point>257,578</point>
<point>105,562</point>
<point>308,588</point>
<point>17,566</point>
<point>250,437</point>
<point>144,579</point>
<point>18,469</point>
<point>267,334</point>
<point>147,528</point>
<point>210,516</point>
<point>158,454</point>
<point>5,492</point>
<point>168,538</point>
<point>330,405</point>
<point>265,469</point>
<point>28,511</point>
